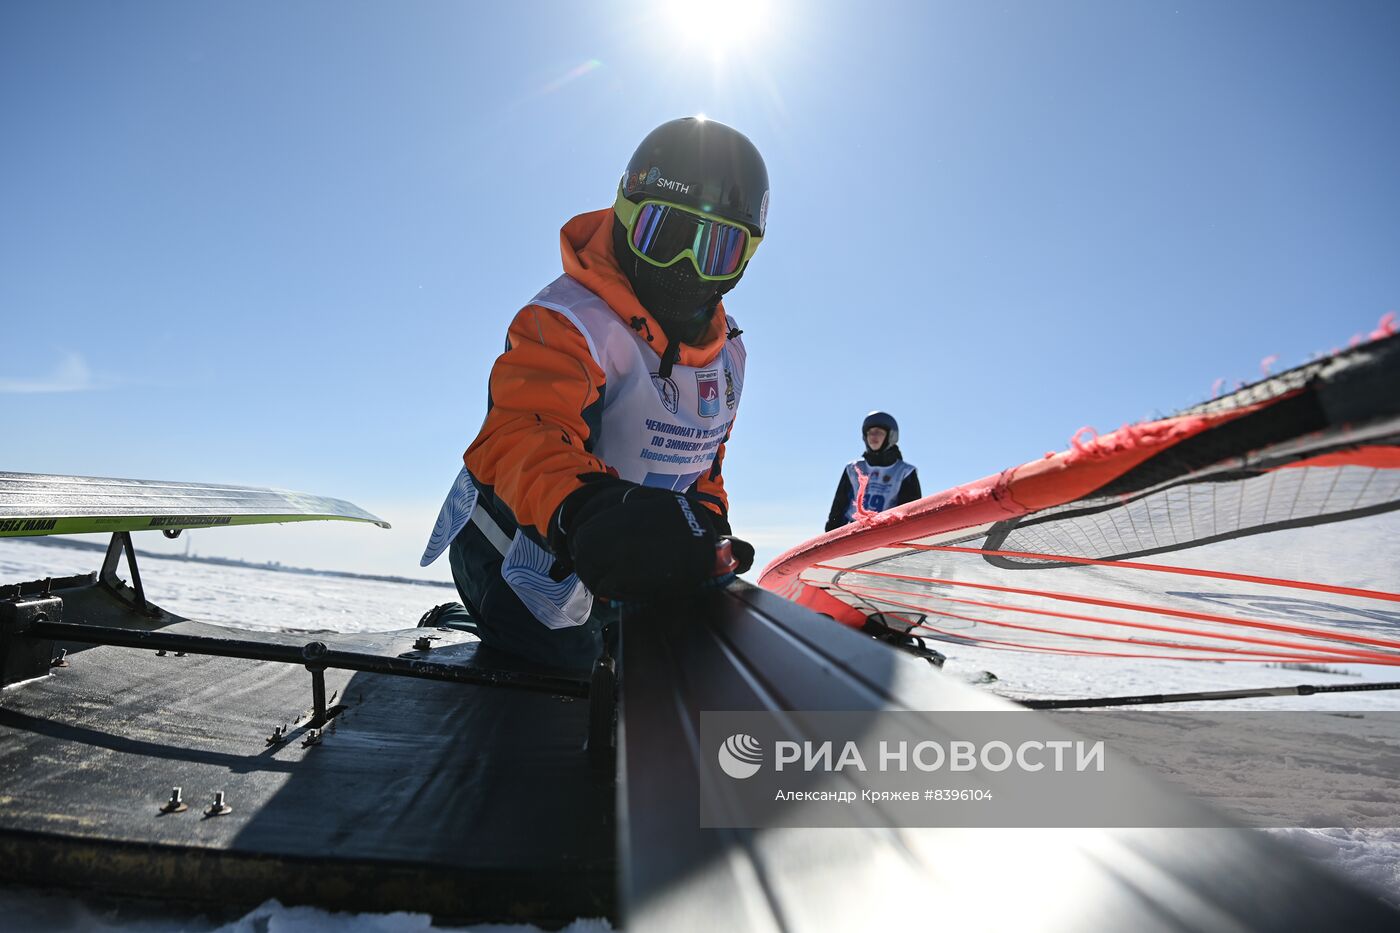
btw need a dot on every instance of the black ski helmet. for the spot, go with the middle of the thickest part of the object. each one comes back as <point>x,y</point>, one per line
<point>703,164</point>
<point>881,419</point>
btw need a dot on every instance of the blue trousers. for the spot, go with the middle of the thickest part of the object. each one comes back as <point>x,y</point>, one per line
<point>505,624</point>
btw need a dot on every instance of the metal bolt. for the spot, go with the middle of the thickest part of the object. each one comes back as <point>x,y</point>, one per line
<point>160,653</point>
<point>174,804</point>
<point>424,643</point>
<point>218,808</point>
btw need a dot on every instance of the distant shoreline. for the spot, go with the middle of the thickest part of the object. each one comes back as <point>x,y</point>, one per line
<point>233,562</point>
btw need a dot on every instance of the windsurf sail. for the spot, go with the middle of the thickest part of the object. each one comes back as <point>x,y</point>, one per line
<point>39,504</point>
<point>1259,526</point>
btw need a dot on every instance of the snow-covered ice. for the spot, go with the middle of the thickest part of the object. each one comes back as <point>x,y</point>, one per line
<point>38,912</point>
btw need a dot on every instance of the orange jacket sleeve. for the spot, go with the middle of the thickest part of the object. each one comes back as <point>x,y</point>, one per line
<point>710,485</point>
<point>531,448</point>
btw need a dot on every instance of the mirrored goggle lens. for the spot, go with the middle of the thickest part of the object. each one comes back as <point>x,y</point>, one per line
<point>661,233</point>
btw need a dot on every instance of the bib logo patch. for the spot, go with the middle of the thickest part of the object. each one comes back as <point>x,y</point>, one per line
<point>666,389</point>
<point>707,383</point>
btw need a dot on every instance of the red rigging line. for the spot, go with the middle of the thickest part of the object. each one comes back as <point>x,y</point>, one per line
<point>1353,655</point>
<point>1163,568</point>
<point>1120,604</point>
<point>1358,654</point>
<point>1258,657</point>
<point>959,636</point>
<point>1084,652</point>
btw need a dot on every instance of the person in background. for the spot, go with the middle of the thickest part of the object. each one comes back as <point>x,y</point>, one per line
<point>890,479</point>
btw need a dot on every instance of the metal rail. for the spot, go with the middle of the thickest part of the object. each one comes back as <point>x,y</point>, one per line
<point>314,655</point>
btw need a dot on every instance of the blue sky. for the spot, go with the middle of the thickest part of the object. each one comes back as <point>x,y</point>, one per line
<point>279,244</point>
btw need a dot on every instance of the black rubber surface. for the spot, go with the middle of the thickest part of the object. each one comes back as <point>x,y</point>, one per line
<point>468,802</point>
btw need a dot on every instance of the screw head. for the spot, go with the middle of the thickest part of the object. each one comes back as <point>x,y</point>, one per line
<point>218,807</point>
<point>174,804</point>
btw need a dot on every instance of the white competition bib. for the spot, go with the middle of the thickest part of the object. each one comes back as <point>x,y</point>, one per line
<point>655,431</point>
<point>882,485</point>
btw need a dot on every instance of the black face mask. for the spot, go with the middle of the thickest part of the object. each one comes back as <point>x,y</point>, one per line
<point>885,456</point>
<point>676,296</point>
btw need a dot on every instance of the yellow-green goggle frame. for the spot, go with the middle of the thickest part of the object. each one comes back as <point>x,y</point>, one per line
<point>718,249</point>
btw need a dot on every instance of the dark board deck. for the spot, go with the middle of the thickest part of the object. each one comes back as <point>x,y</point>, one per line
<point>464,801</point>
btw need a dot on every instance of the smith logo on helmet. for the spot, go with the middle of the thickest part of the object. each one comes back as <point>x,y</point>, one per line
<point>654,178</point>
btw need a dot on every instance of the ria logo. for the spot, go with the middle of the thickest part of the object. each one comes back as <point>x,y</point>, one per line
<point>740,756</point>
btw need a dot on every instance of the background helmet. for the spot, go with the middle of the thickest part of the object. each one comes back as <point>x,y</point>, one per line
<point>881,419</point>
<point>701,164</point>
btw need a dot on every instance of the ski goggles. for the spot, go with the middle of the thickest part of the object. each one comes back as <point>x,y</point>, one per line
<point>662,233</point>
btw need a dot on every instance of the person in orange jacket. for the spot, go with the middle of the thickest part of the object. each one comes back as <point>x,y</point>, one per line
<point>597,475</point>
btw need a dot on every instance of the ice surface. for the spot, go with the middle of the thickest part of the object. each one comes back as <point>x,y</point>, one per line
<point>36,912</point>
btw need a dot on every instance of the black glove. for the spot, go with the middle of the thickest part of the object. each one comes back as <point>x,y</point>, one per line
<point>633,542</point>
<point>741,549</point>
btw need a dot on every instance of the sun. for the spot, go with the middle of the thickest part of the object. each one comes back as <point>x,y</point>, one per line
<point>719,29</point>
